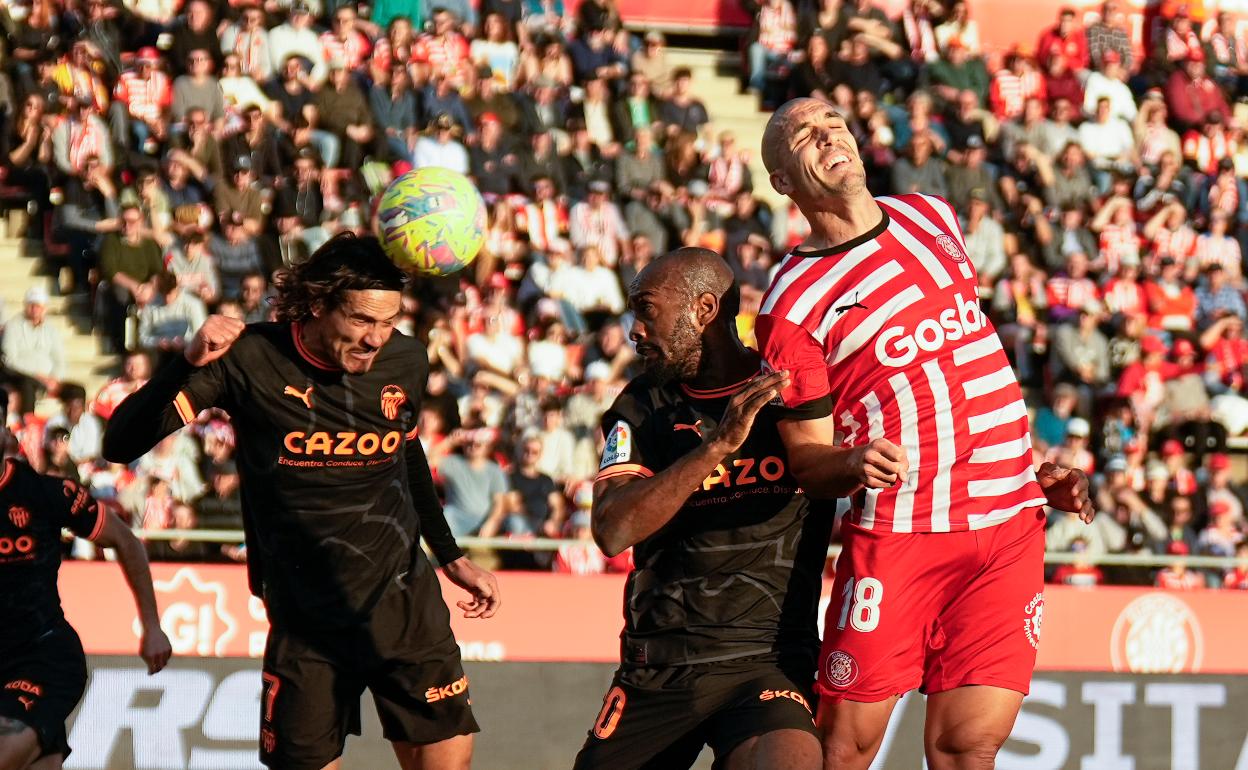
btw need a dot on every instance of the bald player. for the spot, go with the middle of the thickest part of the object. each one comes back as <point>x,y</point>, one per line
<point>900,395</point>
<point>720,636</point>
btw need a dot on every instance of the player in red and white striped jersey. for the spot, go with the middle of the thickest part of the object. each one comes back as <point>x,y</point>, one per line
<point>902,396</point>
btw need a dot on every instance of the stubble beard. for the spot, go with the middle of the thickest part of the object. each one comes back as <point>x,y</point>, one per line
<point>683,360</point>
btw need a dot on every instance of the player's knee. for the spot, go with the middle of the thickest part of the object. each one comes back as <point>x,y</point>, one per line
<point>965,749</point>
<point>845,750</point>
<point>19,746</point>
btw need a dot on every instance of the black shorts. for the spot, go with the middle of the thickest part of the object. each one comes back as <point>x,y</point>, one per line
<point>404,654</point>
<point>41,685</point>
<point>660,719</point>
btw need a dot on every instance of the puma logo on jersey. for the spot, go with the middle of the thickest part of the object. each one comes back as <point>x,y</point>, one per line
<point>842,309</point>
<point>303,395</point>
<point>696,427</point>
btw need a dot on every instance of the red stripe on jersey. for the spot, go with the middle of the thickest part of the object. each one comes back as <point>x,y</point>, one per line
<point>914,361</point>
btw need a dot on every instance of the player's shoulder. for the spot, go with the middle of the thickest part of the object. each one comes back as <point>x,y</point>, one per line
<point>406,352</point>
<point>912,206</point>
<point>639,401</point>
<point>263,336</point>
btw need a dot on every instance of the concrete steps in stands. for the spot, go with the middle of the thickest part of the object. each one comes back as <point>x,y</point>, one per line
<point>717,82</point>
<point>20,269</point>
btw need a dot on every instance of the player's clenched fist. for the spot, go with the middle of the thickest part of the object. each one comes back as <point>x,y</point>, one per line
<point>743,407</point>
<point>213,339</point>
<point>879,464</point>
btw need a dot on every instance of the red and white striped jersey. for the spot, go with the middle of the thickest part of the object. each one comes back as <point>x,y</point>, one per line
<point>887,332</point>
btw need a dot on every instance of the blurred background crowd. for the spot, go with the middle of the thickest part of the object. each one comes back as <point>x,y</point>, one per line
<point>173,154</point>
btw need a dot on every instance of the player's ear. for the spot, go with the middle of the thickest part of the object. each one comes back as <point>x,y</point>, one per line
<point>780,183</point>
<point>705,309</point>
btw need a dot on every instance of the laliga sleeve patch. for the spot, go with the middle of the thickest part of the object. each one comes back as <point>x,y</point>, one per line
<point>619,448</point>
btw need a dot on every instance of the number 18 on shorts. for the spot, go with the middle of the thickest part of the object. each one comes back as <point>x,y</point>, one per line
<point>933,611</point>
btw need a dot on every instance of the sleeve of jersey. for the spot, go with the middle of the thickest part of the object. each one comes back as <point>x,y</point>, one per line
<point>74,508</point>
<point>433,527</point>
<point>624,453</point>
<point>171,399</point>
<point>785,346</point>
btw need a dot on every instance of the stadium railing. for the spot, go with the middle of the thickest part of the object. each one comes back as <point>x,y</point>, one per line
<point>550,544</point>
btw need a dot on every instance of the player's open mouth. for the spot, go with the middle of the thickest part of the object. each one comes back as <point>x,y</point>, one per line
<point>835,161</point>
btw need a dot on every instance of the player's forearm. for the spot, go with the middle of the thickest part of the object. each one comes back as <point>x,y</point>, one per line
<point>625,514</point>
<point>134,565</point>
<point>433,526</point>
<point>147,415</point>
<point>824,472</point>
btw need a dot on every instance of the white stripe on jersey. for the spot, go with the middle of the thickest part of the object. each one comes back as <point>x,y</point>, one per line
<point>868,327</point>
<point>786,280</point>
<point>875,429</point>
<point>1006,450</point>
<point>924,255</point>
<point>947,215</point>
<point>887,272</point>
<point>929,227</point>
<point>946,450</point>
<point>973,351</point>
<point>978,423</point>
<point>908,415</point>
<point>1002,486</point>
<point>989,383</point>
<point>825,283</point>
<point>986,520</point>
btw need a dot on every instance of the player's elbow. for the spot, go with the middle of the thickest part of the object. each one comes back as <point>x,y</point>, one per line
<point>608,537</point>
<point>115,449</point>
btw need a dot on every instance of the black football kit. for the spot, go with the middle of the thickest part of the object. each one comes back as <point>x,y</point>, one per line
<point>336,493</point>
<point>720,637</point>
<point>43,671</point>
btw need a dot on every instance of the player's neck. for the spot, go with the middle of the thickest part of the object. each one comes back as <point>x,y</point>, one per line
<point>841,221</point>
<point>726,361</point>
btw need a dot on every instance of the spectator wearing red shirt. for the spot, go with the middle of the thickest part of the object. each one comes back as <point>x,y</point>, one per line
<point>1182,480</point>
<point>143,97</point>
<point>777,36</point>
<point>1171,301</point>
<point>1064,39</point>
<point>1013,86</point>
<point>1144,382</point>
<point>1124,294</point>
<point>1228,354</point>
<point>1205,146</point>
<point>1177,577</point>
<point>135,373</point>
<point>444,51</point>
<point>1071,291</point>
<point>1237,576</point>
<point>1191,95</point>
<point>1082,572</point>
<point>345,42</point>
<point>1061,81</point>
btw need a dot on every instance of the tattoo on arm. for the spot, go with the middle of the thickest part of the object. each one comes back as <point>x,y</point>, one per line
<point>12,726</point>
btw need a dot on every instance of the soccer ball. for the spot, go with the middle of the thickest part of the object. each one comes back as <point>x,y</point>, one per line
<point>431,221</point>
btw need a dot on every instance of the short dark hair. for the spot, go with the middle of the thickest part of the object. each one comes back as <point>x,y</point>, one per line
<point>346,262</point>
<point>71,391</point>
<point>681,72</point>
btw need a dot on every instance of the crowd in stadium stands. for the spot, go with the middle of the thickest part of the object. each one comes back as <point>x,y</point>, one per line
<point>173,155</point>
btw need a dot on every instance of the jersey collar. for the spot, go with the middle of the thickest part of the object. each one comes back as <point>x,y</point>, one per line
<point>723,392</point>
<point>870,235</point>
<point>306,354</point>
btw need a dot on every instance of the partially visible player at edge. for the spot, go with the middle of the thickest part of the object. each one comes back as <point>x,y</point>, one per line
<point>43,670</point>
<point>902,396</point>
<point>336,494</point>
<point>720,635</point>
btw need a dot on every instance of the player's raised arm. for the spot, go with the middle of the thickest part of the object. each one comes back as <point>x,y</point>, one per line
<point>630,506</point>
<point>154,646</point>
<point>824,469</point>
<point>164,404</point>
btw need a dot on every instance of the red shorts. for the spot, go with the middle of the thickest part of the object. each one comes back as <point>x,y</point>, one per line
<point>934,611</point>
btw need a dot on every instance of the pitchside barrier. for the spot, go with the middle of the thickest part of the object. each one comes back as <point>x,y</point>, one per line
<point>1127,678</point>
